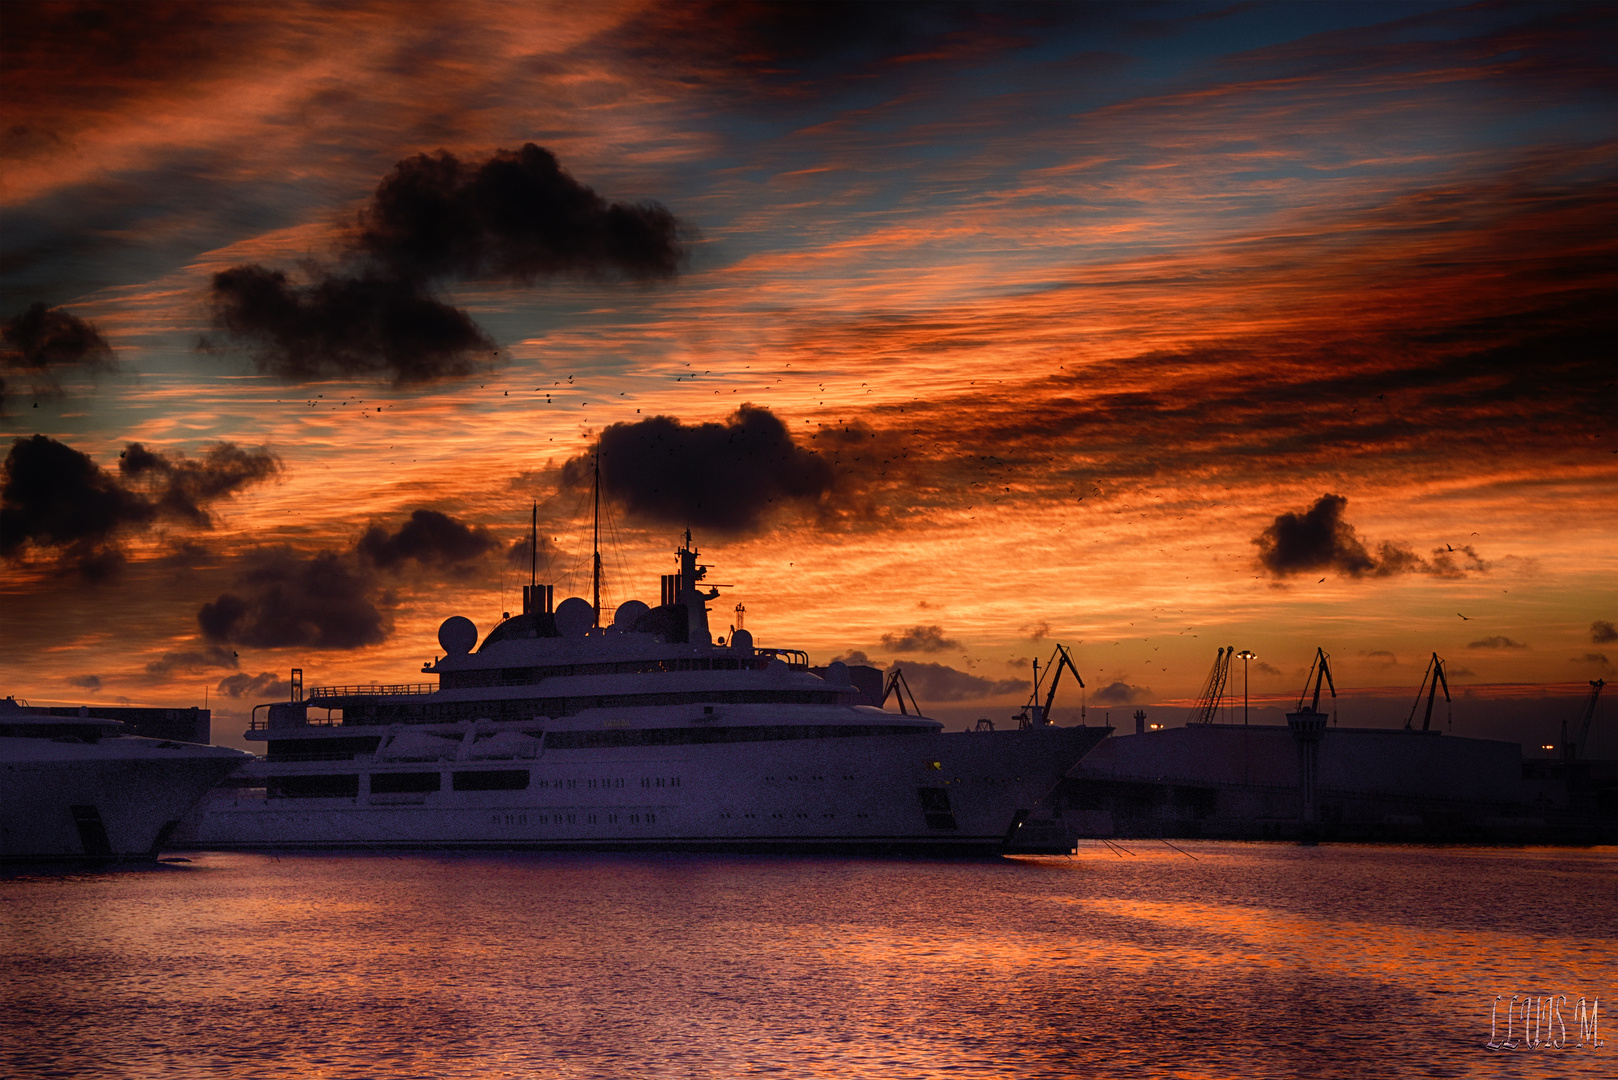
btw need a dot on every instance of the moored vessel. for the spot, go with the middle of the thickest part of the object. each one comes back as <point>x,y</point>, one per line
<point>81,788</point>
<point>562,731</point>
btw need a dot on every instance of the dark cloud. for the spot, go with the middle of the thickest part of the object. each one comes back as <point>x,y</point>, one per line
<point>1591,658</point>
<point>91,683</point>
<point>41,340</point>
<point>430,538</point>
<point>339,326</point>
<point>1265,668</point>
<point>337,599</point>
<point>204,658</point>
<point>923,639</point>
<point>1319,540</point>
<point>1602,632</point>
<point>182,486</point>
<point>1381,656</point>
<point>1496,643</point>
<point>515,216</point>
<point>91,56</point>
<point>855,656</point>
<point>723,477</point>
<point>940,682</point>
<point>777,50</point>
<point>1120,693</point>
<point>282,599</point>
<point>55,497</point>
<point>263,685</point>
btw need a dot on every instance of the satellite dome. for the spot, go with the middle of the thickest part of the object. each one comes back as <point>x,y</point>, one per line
<point>628,611</point>
<point>457,635</point>
<point>837,672</point>
<point>742,642</point>
<point>574,617</point>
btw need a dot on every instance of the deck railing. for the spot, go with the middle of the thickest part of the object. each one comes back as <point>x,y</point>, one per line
<point>370,691</point>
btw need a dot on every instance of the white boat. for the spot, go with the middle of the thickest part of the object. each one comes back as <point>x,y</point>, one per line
<point>558,732</point>
<point>78,788</point>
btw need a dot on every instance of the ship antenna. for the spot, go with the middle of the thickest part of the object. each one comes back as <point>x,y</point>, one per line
<point>533,550</point>
<point>597,541</point>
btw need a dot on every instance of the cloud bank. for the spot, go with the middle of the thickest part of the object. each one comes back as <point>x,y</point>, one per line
<point>57,499</point>
<point>516,216</point>
<point>720,477</point>
<point>1319,539</point>
<point>40,341</point>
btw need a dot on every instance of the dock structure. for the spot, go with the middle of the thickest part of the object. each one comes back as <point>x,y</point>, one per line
<point>1238,781</point>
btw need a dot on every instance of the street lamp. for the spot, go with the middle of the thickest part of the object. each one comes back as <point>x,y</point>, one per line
<point>1246,655</point>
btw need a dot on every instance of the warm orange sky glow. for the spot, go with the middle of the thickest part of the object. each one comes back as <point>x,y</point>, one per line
<point>1061,323</point>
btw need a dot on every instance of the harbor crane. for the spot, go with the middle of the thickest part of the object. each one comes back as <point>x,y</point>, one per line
<point>1034,714</point>
<point>1318,670</point>
<point>897,688</point>
<point>1430,682</point>
<point>1571,748</point>
<point>1213,691</point>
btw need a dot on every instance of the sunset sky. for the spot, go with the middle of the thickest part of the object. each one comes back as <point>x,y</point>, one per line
<point>952,332</point>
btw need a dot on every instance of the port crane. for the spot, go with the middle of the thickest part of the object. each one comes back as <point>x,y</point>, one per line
<point>1213,691</point>
<point>1434,677</point>
<point>1034,714</point>
<point>1318,670</point>
<point>1571,748</point>
<point>897,688</point>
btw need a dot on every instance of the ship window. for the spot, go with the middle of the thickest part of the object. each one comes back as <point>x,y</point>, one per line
<point>585,740</point>
<point>491,780</point>
<point>397,783</point>
<point>315,786</point>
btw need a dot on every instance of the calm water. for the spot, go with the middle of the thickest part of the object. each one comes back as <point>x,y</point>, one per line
<point>1249,960</point>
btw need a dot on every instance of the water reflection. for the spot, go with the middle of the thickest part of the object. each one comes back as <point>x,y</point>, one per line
<point>1250,959</point>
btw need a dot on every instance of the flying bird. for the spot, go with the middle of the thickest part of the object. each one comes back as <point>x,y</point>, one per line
<point>1463,616</point>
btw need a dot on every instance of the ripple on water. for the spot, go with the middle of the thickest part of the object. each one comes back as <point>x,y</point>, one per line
<point>1249,959</point>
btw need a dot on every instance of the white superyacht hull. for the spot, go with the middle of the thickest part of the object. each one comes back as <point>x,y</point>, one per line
<point>941,793</point>
<point>114,799</point>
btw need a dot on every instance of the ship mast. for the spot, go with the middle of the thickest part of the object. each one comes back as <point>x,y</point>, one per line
<point>596,545</point>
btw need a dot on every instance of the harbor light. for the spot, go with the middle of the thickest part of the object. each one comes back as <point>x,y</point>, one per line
<point>1246,655</point>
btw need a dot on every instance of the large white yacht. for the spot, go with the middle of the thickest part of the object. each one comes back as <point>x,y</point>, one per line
<point>78,787</point>
<point>561,732</point>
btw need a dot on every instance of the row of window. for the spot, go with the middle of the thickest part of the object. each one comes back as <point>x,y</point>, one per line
<point>571,819</point>
<point>368,710</point>
<point>526,676</point>
<point>347,785</point>
<point>687,736</point>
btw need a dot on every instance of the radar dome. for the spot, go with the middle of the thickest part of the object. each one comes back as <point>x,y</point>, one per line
<point>837,672</point>
<point>457,635</point>
<point>574,617</point>
<point>628,611</point>
<point>742,642</point>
